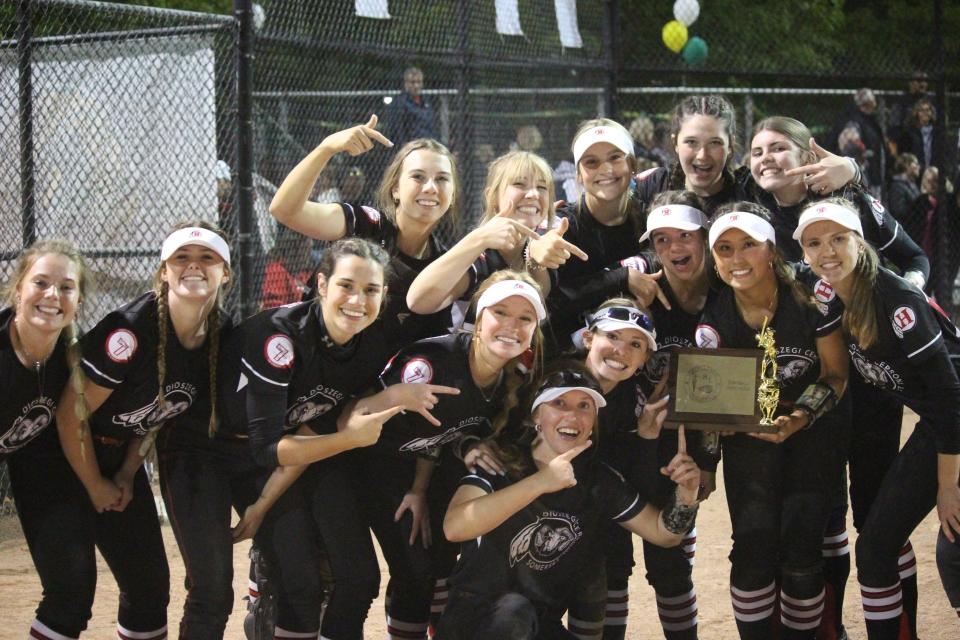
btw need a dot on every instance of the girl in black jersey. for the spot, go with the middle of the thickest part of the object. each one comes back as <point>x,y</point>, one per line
<point>487,366</point>
<point>37,339</point>
<point>302,363</point>
<point>518,200</point>
<point>776,483</point>
<point>144,364</point>
<point>779,145</point>
<point>605,225</point>
<point>419,189</point>
<point>900,342</point>
<point>531,535</point>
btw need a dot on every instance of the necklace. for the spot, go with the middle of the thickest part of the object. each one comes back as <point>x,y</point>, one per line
<point>493,388</point>
<point>770,308</point>
<point>27,358</point>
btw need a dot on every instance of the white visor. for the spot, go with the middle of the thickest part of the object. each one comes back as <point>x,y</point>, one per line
<point>195,235</point>
<point>617,318</point>
<point>674,216</point>
<point>828,211</point>
<point>506,288</point>
<point>550,393</point>
<point>751,224</point>
<point>615,136</point>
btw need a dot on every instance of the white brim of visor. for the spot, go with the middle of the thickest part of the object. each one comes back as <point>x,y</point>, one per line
<point>506,288</point>
<point>555,392</point>
<point>609,324</point>
<point>674,216</point>
<point>828,211</point>
<point>618,138</point>
<point>753,225</point>
<point>195,235</point>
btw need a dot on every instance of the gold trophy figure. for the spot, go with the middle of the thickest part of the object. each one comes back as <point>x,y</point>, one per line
<point>768,393</point>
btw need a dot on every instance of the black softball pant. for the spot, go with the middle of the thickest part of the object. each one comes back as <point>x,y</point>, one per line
<point>350,494</point>
<point>202,480</point>
<point>778,497</point>
<point>62,529</point>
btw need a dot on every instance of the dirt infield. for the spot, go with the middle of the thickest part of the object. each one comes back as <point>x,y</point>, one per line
<point>18,581</point>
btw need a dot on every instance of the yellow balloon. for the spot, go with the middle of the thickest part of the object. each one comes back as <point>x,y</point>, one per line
<point>674,35</point>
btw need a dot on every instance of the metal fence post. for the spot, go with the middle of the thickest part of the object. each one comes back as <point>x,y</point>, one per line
<point>611,20</point>
<point>941,286</point>
<point>243,11</point>
<point>27,167</point>
<point>463,144</point>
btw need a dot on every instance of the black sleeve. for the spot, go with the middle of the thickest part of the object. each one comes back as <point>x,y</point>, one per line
<point>573,295</point>
<point>942,391</point>
<point>266,409</point>
<point>890,238</point>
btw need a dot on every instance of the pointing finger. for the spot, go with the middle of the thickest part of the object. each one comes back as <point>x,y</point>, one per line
<point>379,137</point>
<point>438,388</point>
<point>681,440</point>
<point>575,250</point>
<point>429,416</point>
<point>573,453</point>
<point>524,230</point>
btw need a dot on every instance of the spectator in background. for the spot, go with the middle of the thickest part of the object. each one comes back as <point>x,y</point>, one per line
<point>484,154</point>
<point>648,143</point>
<point>325,190</point>
<point>921,136</point>
<point>353,185</point>
<point>528,139</point>
<point>906,202</point>
<point>410,115</point>
<point>288,269</point>
<point>863,121</point>
<point>902,106</point>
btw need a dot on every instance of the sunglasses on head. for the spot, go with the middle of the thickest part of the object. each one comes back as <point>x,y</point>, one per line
<point>623,314</point>
<point>567,378</point>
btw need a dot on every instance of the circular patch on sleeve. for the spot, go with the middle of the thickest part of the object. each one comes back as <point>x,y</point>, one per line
<point>707,337</point>
<point>372,214</point>
<point>121,345</point>
<point>278,351</point>
<point>417,371</point>
<point>823,291</point>
<point>635,262</point>
<point>904,319</point>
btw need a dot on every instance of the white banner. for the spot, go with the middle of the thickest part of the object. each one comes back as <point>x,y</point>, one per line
<point>567,23</point>
<point>372,9</point>
<point>508,18</point>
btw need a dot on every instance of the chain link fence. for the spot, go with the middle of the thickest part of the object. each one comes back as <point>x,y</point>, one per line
<point>120,120</point>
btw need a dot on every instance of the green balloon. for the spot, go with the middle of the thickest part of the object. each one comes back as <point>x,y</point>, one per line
<point>695,53</point>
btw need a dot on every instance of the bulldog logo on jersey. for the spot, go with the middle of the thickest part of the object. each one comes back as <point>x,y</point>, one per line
<point>278,351</point>
<point>904,319</point>
<point>707,337</point>
<point>177,399</point>
<point>121,345</point>
<point>541,544</point>
<point>417,371</point>
<point>656,366</point>
<point>793,368</point>
<point>36,417</point>
<point>372,214</point>
<point>823,291</point>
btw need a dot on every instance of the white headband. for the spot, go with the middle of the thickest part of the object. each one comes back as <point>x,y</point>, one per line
<point>195,235</point>
<point>674,216</point>
<point>828,211</point>
<point>506,288</point>
<point>614,135</point>
<point>550,393</point>
<point>755,226</point>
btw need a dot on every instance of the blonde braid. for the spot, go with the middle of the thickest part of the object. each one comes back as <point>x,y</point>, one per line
<point>78,382</point>
<point>213,351</point>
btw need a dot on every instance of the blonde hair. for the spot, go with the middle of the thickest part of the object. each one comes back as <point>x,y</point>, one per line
<point>391,178</point>
<point>515,377</point>
<point>26,261</point>
<point>213,320</point>
<point>508,168</point>
<point>628,204</point>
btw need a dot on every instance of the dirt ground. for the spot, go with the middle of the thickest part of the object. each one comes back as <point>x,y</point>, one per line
<point>21,587</point>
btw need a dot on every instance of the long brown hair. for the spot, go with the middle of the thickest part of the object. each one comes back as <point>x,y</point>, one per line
<point>214,321</point>
<point>782,269</point>
<point>515,375</point>
<point>391,178</point>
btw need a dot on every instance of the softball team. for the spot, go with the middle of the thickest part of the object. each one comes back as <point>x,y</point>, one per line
<point>404,397</point>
